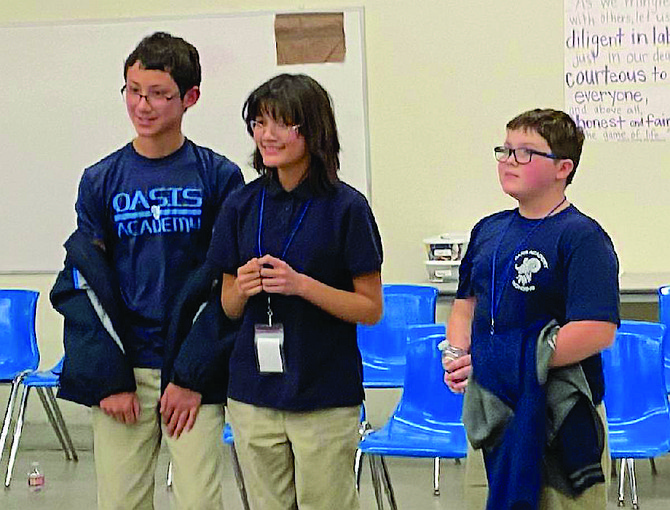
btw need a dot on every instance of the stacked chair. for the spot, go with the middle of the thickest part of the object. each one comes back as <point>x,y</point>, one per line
<point>426,422</point>
<point>636,399</point>
<point>383,346</point>
<point>664,318</point>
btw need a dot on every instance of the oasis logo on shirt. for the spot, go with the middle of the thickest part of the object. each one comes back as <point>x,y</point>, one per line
<point>527,263</point>
<point>158,211</point>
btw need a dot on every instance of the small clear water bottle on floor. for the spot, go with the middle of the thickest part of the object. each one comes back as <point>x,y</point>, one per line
<point>35,478</point>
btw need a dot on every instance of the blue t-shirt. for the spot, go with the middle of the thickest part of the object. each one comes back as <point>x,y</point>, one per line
<point>155,218</point>
<point>336,241</point>
<point>565,270</point>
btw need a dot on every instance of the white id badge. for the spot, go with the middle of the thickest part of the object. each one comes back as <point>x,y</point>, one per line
<point>269,348</point>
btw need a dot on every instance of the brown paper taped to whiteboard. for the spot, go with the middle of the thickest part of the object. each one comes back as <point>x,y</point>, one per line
<point>309,38</point>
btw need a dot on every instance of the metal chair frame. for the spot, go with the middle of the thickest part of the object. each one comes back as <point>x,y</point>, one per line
<point>17,330</point>
<point>43,382</point>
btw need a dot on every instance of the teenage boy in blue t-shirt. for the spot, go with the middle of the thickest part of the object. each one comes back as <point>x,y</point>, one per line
<point>151,206</point>
<point>544,260</point>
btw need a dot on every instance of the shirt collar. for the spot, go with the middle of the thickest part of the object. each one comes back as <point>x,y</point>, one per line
<point>301,192</point>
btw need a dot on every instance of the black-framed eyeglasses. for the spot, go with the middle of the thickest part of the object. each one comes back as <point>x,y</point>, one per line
<point>155,97</point>
<point>522,155</point>
<point>279,128</point>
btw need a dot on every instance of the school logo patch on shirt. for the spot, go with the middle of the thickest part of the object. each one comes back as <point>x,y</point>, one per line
<point>527,264</point>
<point>157,211</point>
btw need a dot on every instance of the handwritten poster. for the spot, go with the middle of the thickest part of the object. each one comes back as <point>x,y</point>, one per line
<point>617,68</point>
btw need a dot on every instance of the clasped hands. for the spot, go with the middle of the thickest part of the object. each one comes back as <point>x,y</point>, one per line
<point>268,274</point>
<point>178,408</point>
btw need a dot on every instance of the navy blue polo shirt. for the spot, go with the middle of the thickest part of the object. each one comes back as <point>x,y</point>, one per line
<point>336,241</point>
<point>564,269</point>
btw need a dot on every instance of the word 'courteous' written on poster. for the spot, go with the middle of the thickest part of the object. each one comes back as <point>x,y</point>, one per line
<point>617,68</point>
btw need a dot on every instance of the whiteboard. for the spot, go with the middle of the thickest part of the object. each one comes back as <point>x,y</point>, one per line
<point>62,111</point>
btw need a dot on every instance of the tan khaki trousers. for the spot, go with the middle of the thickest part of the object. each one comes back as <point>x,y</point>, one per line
<point>126,455</point>
<point>594,498</point>
<point>301,460</point>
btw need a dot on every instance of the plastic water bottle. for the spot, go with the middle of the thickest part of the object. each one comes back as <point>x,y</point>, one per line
<point>35,478</point>
<point>449,352</point>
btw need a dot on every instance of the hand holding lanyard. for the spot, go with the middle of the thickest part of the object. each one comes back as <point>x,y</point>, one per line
<point>269,338</point>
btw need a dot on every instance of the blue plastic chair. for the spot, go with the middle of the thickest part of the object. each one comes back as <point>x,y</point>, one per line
<point>44,382</point>
<point>664,318</point>
<point>383,345</point>
<point>635,398</point>
<point>18,346</point>
<point>427,421</point>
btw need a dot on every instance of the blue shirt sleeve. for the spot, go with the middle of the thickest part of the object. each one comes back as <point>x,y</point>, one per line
<point>231,178</point>
<point>592,280</point>
<point>363,245</point>
<point>223,249</point>
<point>465,289</point>
<point>90,208</point>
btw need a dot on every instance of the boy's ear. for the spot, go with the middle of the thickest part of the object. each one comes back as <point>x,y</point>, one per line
<point>566,166</point>
<point>191,97</point>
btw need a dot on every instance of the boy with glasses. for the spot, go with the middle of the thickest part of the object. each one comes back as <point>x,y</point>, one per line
<point>537,301</point>
<point>150,206</point>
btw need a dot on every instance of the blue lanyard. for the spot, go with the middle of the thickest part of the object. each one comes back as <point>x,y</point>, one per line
<point>294,228</point>
<point>495,303</point>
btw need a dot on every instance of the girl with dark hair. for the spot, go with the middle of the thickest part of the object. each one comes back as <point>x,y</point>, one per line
<point>301,257</point>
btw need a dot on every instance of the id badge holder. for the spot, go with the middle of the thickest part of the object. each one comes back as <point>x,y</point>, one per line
<point>269,341</point>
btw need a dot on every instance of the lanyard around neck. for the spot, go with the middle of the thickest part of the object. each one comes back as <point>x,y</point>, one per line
<point>291,235</point>
<point>495,303</point>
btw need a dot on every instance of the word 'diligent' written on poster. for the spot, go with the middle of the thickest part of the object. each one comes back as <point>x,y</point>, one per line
<point>617,68</point>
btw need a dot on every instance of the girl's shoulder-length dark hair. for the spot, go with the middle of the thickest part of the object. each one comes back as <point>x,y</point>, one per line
<point>299,100</point>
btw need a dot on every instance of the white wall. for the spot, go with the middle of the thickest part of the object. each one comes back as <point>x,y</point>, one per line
<point>444,77</point>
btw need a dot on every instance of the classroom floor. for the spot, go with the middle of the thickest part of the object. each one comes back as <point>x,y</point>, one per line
<point>71,486</point>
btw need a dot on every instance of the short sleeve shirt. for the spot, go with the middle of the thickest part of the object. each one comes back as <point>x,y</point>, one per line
<point>336,241</point>
<point>155,218</point>
<point>564,269</point>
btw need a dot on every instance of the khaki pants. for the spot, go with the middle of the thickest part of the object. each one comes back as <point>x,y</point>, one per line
<point>303,458</point>
<point>594,498</point>
<point>126,455</point>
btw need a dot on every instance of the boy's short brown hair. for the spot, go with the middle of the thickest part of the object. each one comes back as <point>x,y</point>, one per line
<point>564,137</point>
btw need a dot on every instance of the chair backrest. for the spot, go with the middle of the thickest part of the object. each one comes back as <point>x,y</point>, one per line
<point>426,401</point>
<point>403,305</point>
<point>18,341</point>
<point>633,367</point>
<point>664,318</point>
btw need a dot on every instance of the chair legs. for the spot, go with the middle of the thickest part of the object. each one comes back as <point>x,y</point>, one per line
<point>388,487</point>
<point>633,483</point>
<point>376,484</point>
<point>52,422</point>
<point>627,466</point>
<point>168,477</point>
<point>379,474</point>
<point>17,435</point>
<point>60,422</point>
<point>654,471</point>
<point>239,478</point>
<point>8,414</point>
<point>56,421</point>
<point>358,461</point>
<point>436,476</point>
